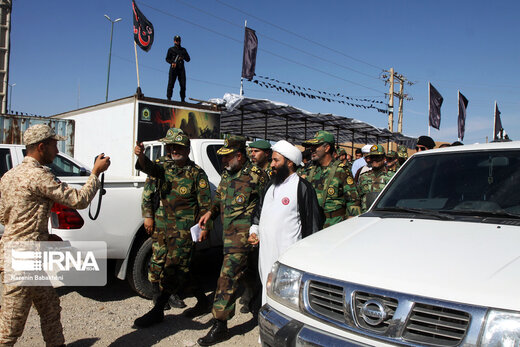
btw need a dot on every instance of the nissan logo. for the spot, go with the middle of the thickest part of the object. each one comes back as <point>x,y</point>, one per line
<point>373,312</point>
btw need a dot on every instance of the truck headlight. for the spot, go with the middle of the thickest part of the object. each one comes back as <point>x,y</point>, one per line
<point>502,329</point>
<point>283,285</point>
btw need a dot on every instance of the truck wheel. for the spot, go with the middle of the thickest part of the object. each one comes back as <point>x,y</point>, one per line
<point>138,270</point>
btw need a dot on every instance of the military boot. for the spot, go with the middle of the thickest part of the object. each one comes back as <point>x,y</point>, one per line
<point>217,333</point>
<point>156,292</point>
<point>155,315</point>
<point>203,306</point>
<point>176,301</point>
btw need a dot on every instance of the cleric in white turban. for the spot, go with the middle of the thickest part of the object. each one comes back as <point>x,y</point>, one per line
<point>286,213</point>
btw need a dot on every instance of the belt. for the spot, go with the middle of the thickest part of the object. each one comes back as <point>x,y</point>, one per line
<point>342,212</point>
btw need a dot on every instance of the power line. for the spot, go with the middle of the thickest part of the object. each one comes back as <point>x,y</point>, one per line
<point>267,51</point>
<point>298,35</point>
<point>321,58</point>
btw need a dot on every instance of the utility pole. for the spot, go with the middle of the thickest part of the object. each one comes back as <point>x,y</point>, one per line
<point>389,77</point>
<point>6,7</point>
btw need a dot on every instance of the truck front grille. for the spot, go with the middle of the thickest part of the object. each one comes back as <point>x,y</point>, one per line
<point>389,316</point>
<point>436,325</point>
<point>327,299</point>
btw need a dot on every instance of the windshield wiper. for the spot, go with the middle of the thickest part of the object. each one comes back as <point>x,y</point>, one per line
<point>429,213</point>
<point>483,214</point>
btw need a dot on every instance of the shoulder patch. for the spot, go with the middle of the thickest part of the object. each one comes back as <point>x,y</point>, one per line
<point>350,180</point>
<point>331,191</point>
<point>203,184</point>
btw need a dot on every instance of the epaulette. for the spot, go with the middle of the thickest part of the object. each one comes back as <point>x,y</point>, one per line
<point>341,165</point>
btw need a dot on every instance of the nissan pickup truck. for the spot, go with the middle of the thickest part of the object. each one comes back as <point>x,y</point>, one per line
<point>434,262</point>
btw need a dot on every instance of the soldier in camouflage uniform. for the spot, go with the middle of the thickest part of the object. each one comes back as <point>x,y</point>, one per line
<point>27,193</point>
<point>392,162</point>
<point>184,197</point>
<point>335,187</point>
<point>238,193</point>
<point>377,178</point>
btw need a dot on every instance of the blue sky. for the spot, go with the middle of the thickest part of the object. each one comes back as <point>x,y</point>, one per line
<point>59,55</point>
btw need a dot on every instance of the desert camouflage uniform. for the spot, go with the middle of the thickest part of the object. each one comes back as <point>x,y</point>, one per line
<point>158,238</point>
<point>185,196</point>
<point>372,181</point>
<point>27,194</point>
<point>235,200</point>
<point>340,200</point>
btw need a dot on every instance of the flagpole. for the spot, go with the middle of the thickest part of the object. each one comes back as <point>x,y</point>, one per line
<point>429,92</point>
<point>137,65</point>
<point>495,122</point>
<point>458,102</point>
<point>242,78</point>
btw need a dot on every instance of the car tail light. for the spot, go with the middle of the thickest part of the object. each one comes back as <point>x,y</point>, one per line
<point>63,217</point>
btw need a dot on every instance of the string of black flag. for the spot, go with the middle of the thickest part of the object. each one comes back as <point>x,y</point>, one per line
<point>291,88</point>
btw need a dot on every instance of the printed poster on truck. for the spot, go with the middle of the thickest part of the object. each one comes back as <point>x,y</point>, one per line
<point>155,120</point>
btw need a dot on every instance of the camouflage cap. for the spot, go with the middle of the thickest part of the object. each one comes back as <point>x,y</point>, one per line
<point>171,134</point>
<point>232,144</point>
<point>260,144</point>
<point>341,151</point>
<point>377,150</point>
<point>40,132</point>
<point>391,154</point>
<point>180,139</point>
<point>321,136</point>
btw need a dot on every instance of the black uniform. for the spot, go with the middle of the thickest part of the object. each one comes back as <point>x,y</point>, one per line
<point>177,55</point>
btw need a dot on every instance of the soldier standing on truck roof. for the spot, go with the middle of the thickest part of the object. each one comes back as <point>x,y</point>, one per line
<point>184,197</point>
<point>176,57</point>
<point>335,187</point>
<point>377,178</point>
<point>238,193</point>
<point>27,193</point>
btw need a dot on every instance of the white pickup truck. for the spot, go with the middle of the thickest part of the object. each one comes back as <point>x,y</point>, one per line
<point>434,262</point>
<point>119,223</point>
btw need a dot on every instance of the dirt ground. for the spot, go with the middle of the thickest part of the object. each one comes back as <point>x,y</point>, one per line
<point>103,316</point>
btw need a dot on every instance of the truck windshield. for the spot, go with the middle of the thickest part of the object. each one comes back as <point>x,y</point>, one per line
<point>481,184</point>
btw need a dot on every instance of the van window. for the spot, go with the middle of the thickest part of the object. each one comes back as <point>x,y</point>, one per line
<point>6,162</point>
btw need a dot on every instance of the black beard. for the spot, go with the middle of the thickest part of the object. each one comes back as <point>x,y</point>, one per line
<point>280,174</point>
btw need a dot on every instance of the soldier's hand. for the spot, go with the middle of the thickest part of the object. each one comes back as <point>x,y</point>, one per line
<point>204,219</point>
<point>139,148</point>
<point>101,164</point>
<point>203,235</point>
<point>253,239</point>
<point>148,225</point>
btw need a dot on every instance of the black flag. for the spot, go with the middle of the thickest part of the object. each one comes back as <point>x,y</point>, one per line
<point>249,59</point>
<point>498,123</point>
<point>463,104</point>
<point>143,29</point>
<point>435,107</point>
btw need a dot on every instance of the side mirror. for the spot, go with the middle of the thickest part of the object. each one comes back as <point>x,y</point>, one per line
<point>84,172</point>
<point>371,197</point>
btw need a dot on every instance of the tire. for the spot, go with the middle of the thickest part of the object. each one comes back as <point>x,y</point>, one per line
<point>138,270</point>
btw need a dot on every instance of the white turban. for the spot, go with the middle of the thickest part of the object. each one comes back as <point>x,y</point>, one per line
<point>288,151</point>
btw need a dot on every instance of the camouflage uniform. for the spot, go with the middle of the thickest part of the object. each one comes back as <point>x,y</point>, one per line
<point>392,155</point>
<point>374,180</point>
<point>159,238</point>
<point>339,198</point>
<point>235,200</point>
<point>27,193</point>
<point>184,197</point>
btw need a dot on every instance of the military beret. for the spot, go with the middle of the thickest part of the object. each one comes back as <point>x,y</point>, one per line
<point>260,144</point>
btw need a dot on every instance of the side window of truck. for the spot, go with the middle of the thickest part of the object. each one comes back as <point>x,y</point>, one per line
<point>153,152</point>
<point>6,162</point>
<point>214,158</point>
<point>62,166</point>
